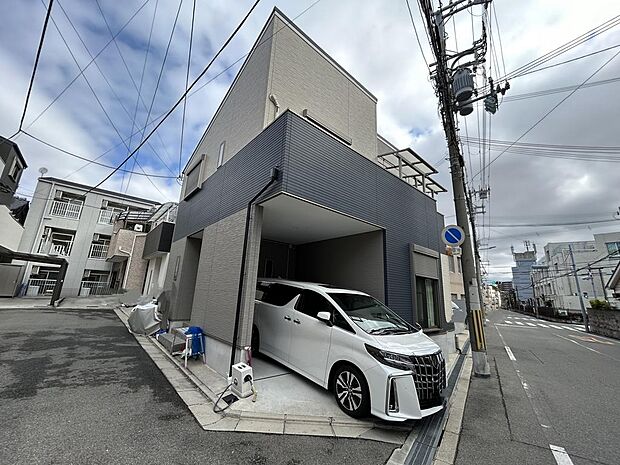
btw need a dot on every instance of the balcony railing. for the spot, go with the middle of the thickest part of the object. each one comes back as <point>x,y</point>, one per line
<point>98,251</point>
<point>108,216</point>
<point>96,288</point>
<point>40,287</point>
<point>66,209</point>
<point>57,247</point>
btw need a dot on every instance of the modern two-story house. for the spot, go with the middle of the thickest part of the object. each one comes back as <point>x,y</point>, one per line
<point>291,180</point>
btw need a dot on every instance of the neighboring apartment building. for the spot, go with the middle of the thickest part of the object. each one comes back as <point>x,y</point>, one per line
<point>12,165</point>
<point>347,208</point>
<point>595,262</point>
<point>139,249</point>
<point>68,221</point>
<point>521,280</point>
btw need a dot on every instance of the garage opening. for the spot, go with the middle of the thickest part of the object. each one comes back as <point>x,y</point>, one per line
<point>303,241</point>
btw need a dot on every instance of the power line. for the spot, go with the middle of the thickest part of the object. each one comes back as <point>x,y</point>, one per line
<point>559,90</point>
<point>135,112</point>
<point>182,97</point>
<point>569,223</point>
<point>106,80</point>
<point>553,109</point>
<point>75,78</point>
<point>89,160</point>
<point>36,65</point>
<point>189,61</point>
<point>99,102</point>
<point>415,30</point>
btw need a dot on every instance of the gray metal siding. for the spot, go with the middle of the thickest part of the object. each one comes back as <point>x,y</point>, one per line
<point>158,240</point>
<point>231,187</point>
<point>325,171</point>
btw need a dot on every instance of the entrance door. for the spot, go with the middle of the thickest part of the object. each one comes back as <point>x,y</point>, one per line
<point>311,337</point>
<point>427,304</point>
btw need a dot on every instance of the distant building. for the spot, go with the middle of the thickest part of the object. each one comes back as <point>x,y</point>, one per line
<point>506,294</point>
<point>595,261</point>
<point>521,280</point>
<point>68,221</point>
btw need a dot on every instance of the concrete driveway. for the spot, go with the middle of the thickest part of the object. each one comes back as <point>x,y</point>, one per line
<point>75,387</point>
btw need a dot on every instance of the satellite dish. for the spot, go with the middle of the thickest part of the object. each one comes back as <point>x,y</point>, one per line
<point>43,170</point>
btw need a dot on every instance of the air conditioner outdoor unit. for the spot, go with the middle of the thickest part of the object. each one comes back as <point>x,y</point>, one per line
<point>104,203</point>
<point>138,228</point>
<point>35,270</point>
<point>87,273</point>
<point>95,237</point>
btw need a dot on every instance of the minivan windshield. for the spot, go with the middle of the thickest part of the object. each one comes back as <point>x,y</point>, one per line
<point>371,315</point>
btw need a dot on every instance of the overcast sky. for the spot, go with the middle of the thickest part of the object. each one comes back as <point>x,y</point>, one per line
<point>374,41</point>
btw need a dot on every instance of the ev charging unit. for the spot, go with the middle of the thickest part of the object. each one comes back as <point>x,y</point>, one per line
<point>242,380</point>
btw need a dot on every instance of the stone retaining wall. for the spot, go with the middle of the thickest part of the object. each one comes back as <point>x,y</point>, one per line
<point>605,322</point>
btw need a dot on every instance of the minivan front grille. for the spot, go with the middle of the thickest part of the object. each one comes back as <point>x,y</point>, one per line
<point>430,378</point>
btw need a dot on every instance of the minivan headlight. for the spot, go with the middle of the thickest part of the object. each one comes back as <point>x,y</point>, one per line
<point>391,359</point>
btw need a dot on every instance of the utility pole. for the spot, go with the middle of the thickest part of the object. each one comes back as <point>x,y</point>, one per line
<point>455,90</point>
<point>600,275</point>
<point>534,294</point>
<point>584,314</point>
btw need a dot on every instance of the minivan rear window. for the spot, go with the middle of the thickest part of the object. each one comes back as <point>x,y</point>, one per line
<point>276,293</point>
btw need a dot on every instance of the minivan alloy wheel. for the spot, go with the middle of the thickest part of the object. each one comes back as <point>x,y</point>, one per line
<point>349,391</point>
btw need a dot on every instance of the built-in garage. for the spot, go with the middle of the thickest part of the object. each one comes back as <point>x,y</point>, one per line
<point>306,242</point>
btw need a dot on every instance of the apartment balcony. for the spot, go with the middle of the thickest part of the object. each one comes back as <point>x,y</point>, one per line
<point>158,241</point>
<point>40,287</point>
<point>71,210</point>
<point>95,288</point>
<point>57,247</point>
<point>98,251</point>
<point>108,216</point>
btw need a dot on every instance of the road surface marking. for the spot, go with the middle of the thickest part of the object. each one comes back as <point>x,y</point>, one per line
<point>542,325</point>
<point>530,324</point>
<point>569,328</point>
<point>509,321</point>
<point>556,327</point>
<point>560,455</point>
<point>511,326</point>
<point>580,329</point>
<point>589,348</point>
<point>511,356</point>
<point>519,323</point>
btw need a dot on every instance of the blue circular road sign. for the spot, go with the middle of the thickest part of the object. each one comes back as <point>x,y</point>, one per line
<point>453,235</point>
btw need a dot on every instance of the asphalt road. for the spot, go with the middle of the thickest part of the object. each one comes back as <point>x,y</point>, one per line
<point>76,388</point>
<point>561,389</point>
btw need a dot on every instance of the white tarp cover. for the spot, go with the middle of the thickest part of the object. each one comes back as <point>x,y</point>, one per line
<point>144,319</point>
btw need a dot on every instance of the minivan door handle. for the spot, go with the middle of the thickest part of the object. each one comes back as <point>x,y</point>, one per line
<point>296,320</point>
<point>288,318</point>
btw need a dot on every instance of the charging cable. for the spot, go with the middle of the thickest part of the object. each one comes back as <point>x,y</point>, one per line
<point>215,407</point>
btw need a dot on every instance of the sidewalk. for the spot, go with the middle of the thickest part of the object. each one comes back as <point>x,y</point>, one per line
<point>99,302</point>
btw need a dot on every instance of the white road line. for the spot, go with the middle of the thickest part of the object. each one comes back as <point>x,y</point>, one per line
<point>568,327</point>
<point>509,322</point>
<point>560,455</point>
<point>511,356</point>
<point>519,323</point>
<point>589,348</point>
<point>542,325</point>
<point>530,324</point>
<point>556,327</point>
<point>578,328</point>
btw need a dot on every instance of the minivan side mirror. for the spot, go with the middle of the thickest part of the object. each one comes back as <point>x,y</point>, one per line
<point>325,317</point>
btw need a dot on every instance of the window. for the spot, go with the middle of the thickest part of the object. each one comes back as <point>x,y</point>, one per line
<point>16,170</point>
<point>312,303</point>
<point>426,299</point>
<point>275,293</point>
<point>371,315</point>
<point>220,156</point>
<point>192,177</point>
<point>340,321</point>
<point>613,248</point>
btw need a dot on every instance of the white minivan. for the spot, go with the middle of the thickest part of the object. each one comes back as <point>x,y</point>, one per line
<point>352,344</point>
